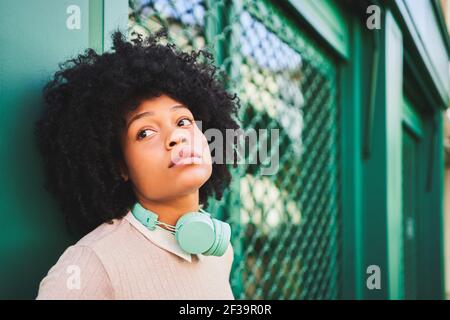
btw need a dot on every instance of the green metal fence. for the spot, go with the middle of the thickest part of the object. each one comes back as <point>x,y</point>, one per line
<point>286,225</point>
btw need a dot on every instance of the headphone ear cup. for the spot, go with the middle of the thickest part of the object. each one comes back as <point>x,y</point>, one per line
<point>195,232</point>
<point>217,238</point>
<point>225,239</point>
<point>222,238</point>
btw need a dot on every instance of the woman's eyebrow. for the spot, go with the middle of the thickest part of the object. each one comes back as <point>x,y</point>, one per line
<point>151,113</point>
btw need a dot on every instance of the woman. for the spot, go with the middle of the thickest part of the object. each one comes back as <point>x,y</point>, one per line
<point>121,143</point>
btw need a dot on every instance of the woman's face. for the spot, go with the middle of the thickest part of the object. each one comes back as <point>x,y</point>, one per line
<point>166,155</point>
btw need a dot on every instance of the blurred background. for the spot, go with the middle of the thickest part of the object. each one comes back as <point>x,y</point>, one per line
<point>359,91</point>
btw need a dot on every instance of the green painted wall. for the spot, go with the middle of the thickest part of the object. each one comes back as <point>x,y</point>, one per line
<point>34,39</point>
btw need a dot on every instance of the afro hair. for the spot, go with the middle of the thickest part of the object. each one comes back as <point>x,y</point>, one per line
<point>84,107</point>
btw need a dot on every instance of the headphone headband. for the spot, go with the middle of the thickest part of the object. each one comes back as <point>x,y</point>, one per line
<point>196,232</point>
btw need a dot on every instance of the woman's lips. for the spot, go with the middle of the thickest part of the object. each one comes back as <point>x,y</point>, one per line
<point>186,158</point>
<point>189,160</point>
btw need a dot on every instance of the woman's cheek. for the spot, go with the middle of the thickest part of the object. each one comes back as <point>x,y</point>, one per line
<point>145,165</point>
<point>151,179</point>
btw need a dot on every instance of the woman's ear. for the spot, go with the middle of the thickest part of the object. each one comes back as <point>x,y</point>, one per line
<point>122,164</point>
<point>123,170</point>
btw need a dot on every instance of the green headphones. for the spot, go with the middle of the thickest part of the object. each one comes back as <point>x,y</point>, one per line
<point>195,232</point>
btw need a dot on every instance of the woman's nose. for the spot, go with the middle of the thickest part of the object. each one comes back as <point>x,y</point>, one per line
<point>177,137</point>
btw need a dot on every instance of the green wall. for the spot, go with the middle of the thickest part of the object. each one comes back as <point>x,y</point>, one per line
<point>34,39</point>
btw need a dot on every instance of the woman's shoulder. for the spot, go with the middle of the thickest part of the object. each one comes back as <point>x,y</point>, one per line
<point>228,257</point>
<point>80,271</point>
<point>78,274</point>
<point>229,253</point>
<point>106,232</point>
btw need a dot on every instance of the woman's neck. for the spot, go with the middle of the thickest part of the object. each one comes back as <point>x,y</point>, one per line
<point>170,210</point>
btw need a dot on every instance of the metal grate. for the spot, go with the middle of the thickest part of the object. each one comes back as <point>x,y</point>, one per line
<point>285,225</point>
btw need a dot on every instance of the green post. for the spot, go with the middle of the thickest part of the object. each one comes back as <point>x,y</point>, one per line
<point>351,100</point>
<point>382,171</point>
<point>394,103</point>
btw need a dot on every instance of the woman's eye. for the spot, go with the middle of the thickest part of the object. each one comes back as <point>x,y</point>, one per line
<point>144,133</point>
<point>185,121</point>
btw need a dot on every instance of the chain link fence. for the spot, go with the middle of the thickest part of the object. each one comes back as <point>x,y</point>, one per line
<point>285,225</point>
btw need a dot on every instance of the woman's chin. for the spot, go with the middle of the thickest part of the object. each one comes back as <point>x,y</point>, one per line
<point>191,175</point>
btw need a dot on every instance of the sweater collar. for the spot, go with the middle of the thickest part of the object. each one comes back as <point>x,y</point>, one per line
<point>162,238</point>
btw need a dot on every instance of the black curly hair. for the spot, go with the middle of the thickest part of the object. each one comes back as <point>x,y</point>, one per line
<point>84,106</point>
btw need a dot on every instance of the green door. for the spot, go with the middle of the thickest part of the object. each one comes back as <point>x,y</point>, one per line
<point>35,37</point>
<point>412,139</point>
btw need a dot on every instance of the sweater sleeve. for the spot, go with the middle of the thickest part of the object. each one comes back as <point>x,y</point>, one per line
<point>78,274</point>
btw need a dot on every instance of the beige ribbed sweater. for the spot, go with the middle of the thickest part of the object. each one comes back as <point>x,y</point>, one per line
<point>118,261</point>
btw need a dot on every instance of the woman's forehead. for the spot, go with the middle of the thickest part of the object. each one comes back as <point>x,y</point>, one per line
<point>156,103</point>
<point>152,107</point>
